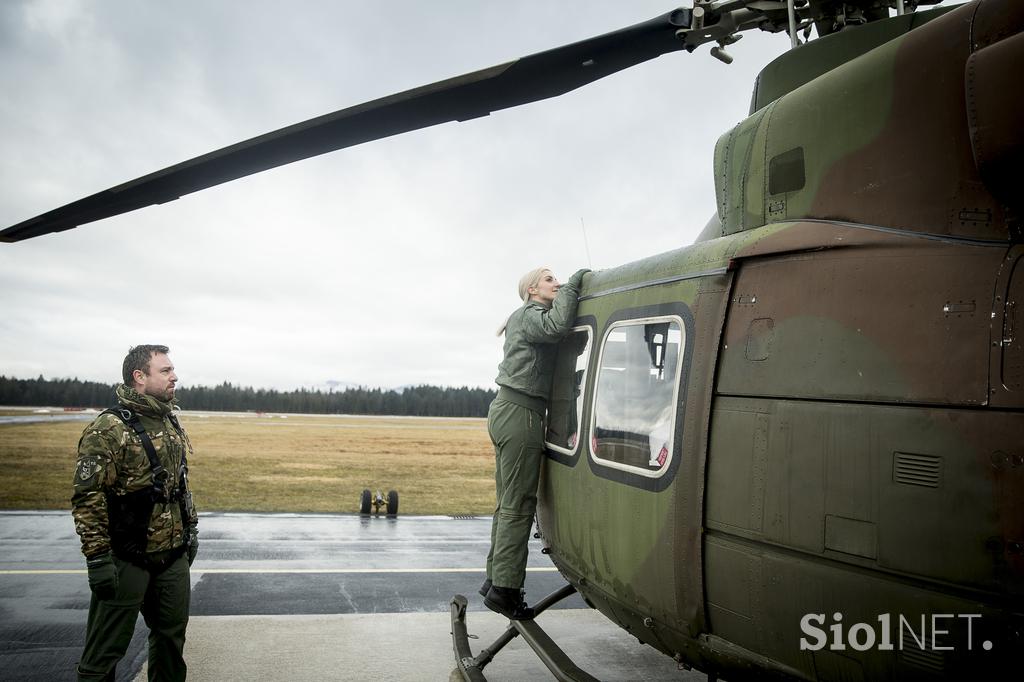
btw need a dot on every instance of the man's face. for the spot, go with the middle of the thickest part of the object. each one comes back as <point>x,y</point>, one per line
<point>160,380</point>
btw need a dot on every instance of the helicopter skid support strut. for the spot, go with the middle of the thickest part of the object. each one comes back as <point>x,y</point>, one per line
<point>471,667</point>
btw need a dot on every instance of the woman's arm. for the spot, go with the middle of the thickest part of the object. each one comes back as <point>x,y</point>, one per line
<point>541,325</point>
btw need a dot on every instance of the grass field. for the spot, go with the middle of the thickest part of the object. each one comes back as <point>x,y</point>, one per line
<point>282,463</point>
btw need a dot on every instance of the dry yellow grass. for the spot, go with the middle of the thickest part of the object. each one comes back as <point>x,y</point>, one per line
<point>276,464</point>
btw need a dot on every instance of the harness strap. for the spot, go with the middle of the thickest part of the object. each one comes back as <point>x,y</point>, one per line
<point>125,544</point>
<point>159,472</point>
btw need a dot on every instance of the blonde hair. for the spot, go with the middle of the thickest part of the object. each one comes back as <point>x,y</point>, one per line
<point>529,281</point>
<point>526,282</point>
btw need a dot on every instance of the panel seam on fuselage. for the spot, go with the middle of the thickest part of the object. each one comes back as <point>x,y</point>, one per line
<point>993,599</point>
<point>953,239</point>
<point>880,403</point>
<point>657,282</point>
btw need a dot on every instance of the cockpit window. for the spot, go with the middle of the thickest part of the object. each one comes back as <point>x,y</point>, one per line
<point>565,409</point>
<point>636,398</point>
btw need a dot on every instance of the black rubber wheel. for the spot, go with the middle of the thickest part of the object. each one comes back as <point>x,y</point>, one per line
<point>392,503</point>
<point>364,502</point>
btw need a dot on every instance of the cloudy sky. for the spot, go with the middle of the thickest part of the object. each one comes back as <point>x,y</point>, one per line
<point>387,264</point>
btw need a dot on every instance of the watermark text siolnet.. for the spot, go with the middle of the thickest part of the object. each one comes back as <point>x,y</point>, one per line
<point>934,632</point>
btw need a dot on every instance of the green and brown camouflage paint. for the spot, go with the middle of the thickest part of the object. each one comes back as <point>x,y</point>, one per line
<point>851,438</point>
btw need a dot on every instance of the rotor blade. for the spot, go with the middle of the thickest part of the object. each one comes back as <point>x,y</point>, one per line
<point>476,94</point>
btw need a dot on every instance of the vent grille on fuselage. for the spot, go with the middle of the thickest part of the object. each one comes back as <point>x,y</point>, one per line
<point>928,658</point>
<point>913,469</point>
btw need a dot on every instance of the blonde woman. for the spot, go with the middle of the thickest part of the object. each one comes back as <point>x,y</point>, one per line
<point>515,423</point>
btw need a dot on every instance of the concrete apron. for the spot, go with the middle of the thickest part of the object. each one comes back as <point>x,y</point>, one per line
<point>405,646</point>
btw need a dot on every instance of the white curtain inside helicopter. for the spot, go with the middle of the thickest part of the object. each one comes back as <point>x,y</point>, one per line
<point>633,421</point>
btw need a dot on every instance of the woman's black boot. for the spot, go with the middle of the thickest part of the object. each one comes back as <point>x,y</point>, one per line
<point>508,602</point>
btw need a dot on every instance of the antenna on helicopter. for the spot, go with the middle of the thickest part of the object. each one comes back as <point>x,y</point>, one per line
<point>586,244</point>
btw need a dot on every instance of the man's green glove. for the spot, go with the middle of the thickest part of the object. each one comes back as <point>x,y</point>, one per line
<point>102,576</point>
<point>193,546</point>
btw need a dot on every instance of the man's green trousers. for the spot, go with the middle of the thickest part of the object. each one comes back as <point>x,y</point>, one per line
<point>163,599</point>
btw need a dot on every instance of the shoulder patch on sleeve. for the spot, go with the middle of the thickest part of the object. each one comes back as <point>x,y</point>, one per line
<point>87,468</point>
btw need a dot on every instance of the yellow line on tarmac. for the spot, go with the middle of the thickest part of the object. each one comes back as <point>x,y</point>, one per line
<point>74,571</point>
<point>45,571</point>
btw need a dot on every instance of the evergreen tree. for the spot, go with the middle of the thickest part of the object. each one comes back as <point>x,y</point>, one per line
<point>432,401</point>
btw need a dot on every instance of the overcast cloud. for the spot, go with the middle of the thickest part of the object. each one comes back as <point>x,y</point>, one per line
<point>387,264</point>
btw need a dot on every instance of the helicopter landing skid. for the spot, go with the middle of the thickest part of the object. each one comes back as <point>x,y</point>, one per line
<point>560,665</point>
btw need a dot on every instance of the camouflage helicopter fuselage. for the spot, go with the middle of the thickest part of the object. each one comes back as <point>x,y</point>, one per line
<point>846,369</point>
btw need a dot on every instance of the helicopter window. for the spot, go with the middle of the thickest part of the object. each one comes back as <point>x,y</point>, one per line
<point>636,396</point>
<point>786,171</point>
<point>565,409</point>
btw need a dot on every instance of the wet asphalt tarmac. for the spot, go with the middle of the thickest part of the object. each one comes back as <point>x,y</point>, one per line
<point>249,565</point>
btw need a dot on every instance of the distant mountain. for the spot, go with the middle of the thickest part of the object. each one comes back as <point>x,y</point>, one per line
<point>335,385</point>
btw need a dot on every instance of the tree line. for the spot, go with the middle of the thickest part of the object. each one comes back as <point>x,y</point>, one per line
<point>419,401</point>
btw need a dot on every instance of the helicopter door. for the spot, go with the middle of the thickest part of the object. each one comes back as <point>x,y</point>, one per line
<point>1012,337</point>
<point>565,407</point>
<point>624,512</point>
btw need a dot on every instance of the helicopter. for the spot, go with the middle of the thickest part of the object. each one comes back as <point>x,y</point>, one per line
<point>792,449</point>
